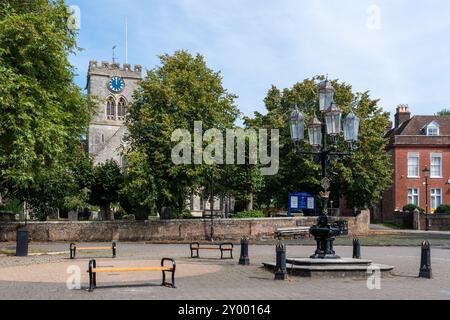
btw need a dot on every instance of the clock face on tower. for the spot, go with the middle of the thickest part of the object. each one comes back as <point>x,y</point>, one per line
<point>116,84</point>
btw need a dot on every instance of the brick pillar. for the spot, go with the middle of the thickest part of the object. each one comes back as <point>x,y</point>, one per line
<point>416,219</point>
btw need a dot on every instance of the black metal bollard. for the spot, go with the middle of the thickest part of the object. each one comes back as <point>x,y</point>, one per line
<point>22,243</point>
<point>356,249</point>
<point>244,259</point>
<point>114,249</point>
<point>280,269</point>
<point>425,261</point>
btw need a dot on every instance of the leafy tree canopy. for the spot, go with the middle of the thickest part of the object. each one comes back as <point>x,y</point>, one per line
<point>106,184</point>
<point>361,178</point>
<point>139,191</point>
<point>43,113</point>
<point>444,112</point>
<point>173,96</point>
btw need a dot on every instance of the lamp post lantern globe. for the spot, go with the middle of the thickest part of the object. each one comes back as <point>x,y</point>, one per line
<point>333,118</point>
<point>297,125</point>
<point>326,95</point>
<point>351,128</point>
<point>315,132</point>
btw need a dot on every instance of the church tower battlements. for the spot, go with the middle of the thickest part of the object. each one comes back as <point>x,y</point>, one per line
<point>105,68</point>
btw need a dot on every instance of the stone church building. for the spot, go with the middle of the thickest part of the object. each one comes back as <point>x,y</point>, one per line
<point>113,86</point>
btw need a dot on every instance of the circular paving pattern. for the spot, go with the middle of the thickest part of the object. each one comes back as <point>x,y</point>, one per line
<point>62,271</point>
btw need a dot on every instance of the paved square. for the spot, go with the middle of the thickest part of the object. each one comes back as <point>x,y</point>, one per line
<point>44,277</point>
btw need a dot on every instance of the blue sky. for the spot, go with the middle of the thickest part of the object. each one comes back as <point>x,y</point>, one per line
<point>399,50</point>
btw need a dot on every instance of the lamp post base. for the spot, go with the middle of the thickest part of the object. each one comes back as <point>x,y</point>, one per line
<point>325,234</point>
<point>325,249</point>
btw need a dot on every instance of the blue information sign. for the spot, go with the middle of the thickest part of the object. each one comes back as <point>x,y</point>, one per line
<point>302,201</point>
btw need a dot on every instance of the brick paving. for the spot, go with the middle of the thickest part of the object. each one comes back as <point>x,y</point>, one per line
<point>212,278</point>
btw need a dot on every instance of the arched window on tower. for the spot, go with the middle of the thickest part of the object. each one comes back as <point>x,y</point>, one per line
<point>121,109</point>
<point>124,162</point>
<point>110,109</point>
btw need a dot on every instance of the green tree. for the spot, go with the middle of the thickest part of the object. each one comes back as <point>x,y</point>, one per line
<point>81,171</point>
<point>361,179</point>
<point>294,173</point>
<point>48,193</point>
<point>247,181</point>
<point>106,184</point>
<point>138,194</point>
<point>43,113</point>
<point>64,188</point>
<point>243,181</point>
<point>444,112</point>
<point>173,96</point>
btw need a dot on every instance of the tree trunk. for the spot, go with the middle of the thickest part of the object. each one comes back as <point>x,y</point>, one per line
<point>181,207</point>
<point>105,212</point>
<point>23,215</point>
<point>250,201</point>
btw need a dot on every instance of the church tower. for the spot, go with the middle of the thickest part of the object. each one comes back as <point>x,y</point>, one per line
<point>113,87</point>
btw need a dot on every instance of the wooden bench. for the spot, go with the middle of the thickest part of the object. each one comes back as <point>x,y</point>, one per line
<point>283,232</point>
<point>223,247</point>
<point>74,248</point>
<point>93,270</point>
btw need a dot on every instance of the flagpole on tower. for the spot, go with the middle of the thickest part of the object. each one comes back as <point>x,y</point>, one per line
<point>114,55</point>
<point>126,39</point>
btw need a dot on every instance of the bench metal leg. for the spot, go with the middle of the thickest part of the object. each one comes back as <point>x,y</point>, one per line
<point>192,253</point>
<point>92,275</point>
<point>91,282</point>
<point>195,247</point>
<point>73,248</point>
<point>222,250</point>
<point>222,257</point>
<point>95,276</point>
<point>174,265</point>
<point>114,248</point>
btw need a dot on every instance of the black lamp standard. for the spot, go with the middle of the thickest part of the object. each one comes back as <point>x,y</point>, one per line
<point>211,202</point>
<point>426,174</point>
<point>324,231</point>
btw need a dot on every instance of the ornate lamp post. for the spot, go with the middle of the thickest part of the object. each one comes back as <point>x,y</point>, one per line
<point>319,132</point>
<point>426,174</point>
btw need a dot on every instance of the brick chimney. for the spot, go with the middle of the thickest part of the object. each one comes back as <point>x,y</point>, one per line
<point>403,114</point>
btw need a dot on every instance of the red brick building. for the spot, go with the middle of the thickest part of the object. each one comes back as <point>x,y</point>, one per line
<point>415,143</point>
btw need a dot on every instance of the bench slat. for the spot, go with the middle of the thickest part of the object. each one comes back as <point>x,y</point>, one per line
<point>94,248</point>
<point>208,248</point>
<point>112,270</point>
<point>293,229</point>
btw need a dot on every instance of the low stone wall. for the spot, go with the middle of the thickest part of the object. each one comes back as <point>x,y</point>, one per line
<point>403,219</point>
<point>437,222</point>
<point>409,220</point>
<point>166,230</point>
